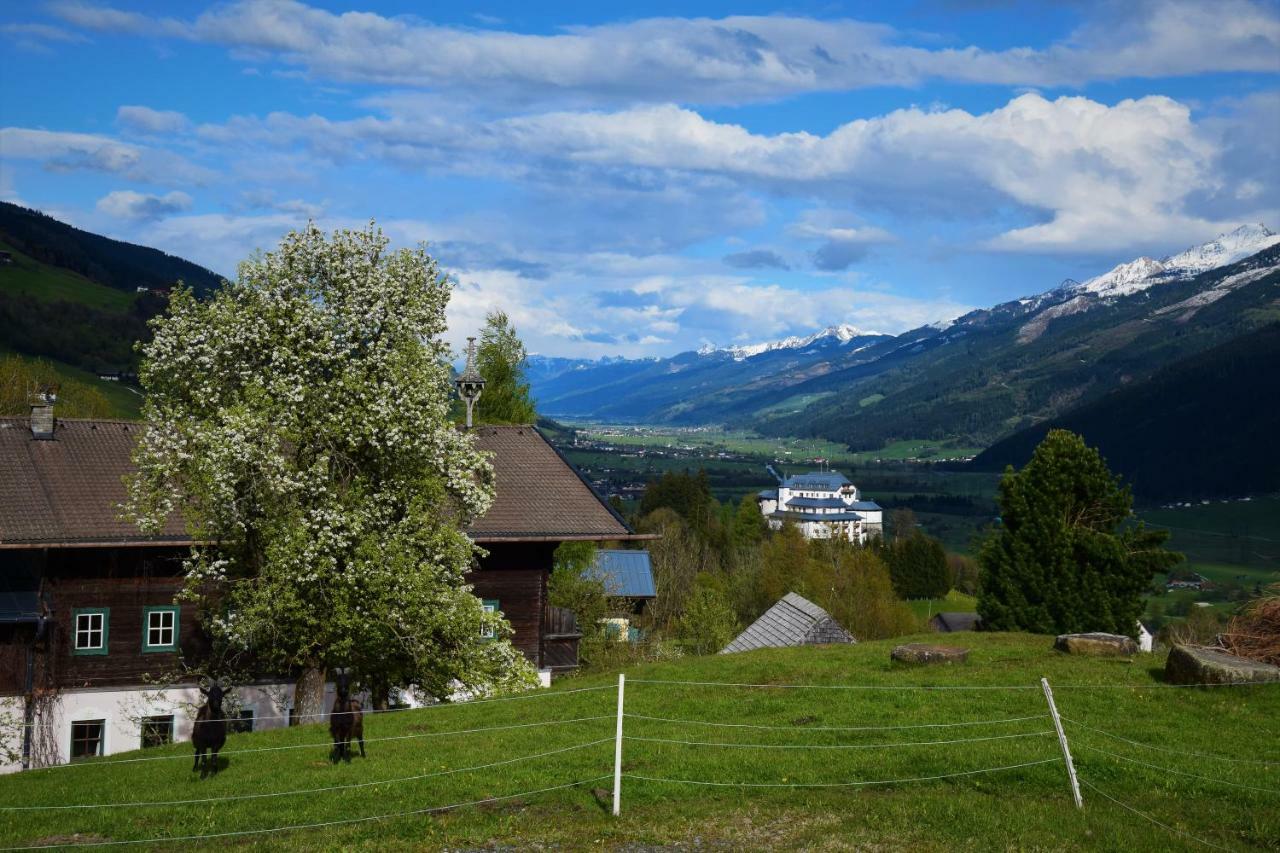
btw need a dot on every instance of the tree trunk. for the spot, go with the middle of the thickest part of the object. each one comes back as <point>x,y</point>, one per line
<point>308,696</point>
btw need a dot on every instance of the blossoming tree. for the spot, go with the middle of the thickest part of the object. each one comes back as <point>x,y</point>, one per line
<point>299,421</point>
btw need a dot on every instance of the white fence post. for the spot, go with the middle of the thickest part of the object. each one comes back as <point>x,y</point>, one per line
<point>1062,741</point>
<point>617,751</point>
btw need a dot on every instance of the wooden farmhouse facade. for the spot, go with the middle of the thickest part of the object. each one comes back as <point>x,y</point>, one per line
<point>87,611</point>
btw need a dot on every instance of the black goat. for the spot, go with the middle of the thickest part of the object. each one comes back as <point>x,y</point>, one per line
<point>210,730</point>
<point>346,720</point>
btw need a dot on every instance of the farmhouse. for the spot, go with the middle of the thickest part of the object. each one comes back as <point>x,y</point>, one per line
<point>87,610</point>
<point>824,505</point>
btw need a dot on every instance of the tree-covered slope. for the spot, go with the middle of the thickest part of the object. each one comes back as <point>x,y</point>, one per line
<point>999,370</point>
<point>1204,426</point>
<point>72,296</point>
<point>116,264</point>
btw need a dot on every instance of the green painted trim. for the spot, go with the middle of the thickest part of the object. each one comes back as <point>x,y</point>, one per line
<point>147,648</point>
<point>76,613</point>
<point>490,602</point>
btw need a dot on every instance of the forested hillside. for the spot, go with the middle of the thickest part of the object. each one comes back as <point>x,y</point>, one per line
<point>999,370</point>
<point>72,297</point>
<point>119,265</point>
<point>1204,426</point>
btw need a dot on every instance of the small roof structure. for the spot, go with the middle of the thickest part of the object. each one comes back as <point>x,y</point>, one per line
<point>793,621</point>
<point>951,622</point>
<point>627,574</point>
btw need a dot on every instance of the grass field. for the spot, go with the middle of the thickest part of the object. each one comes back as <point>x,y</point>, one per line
<point>787,450</point>
<point>29,277</point>
<point>418,762</point>
<point>954,602</point>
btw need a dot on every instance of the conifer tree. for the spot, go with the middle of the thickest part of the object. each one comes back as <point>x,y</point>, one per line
<point>501,358</point>
<point>1066,556</point>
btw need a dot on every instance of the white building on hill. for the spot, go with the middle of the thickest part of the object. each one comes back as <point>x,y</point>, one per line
<point>824,505</point>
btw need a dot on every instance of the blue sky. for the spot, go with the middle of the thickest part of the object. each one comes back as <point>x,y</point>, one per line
<point>641,179</point>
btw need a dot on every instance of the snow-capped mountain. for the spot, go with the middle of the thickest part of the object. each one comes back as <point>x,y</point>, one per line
<point>842,333</point>
<point>1142,273</point>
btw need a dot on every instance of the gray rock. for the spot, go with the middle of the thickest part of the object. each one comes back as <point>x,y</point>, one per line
<point>1096,644</point>
<point>929,653</point>
<point>1195,665</point>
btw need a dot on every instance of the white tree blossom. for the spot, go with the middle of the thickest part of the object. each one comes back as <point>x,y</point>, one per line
<point>299,421</point>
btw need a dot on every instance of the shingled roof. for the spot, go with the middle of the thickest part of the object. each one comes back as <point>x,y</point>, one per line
<point>68,491</point>
<point>793,621</point>
<point>538,495</point>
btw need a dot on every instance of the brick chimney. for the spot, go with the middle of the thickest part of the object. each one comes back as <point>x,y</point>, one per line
<point>42,413</point>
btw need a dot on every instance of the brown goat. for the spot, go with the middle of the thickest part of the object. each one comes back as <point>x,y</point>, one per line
<point>346,720</point>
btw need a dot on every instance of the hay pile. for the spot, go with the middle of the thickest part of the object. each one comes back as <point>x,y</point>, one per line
<point>1255,633</point>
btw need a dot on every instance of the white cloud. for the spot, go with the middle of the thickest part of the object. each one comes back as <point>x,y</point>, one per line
<point>127,204</point>
<point>146,120</point>
<point>65,152</point>
<point>700,60</point>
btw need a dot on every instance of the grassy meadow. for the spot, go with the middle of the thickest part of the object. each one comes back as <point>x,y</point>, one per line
<point>1220,748</point>
<point>26,276</point>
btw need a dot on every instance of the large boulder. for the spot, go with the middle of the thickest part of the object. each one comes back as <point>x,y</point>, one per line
<point>1195,665</point>
<point>1096,645</point>
<point>929,653</point>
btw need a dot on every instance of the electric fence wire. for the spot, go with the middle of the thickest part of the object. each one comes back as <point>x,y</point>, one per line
<point>1177,772</point>
<point>1182,752</point>
<point>839,784</point>
<point>299,826</point>
<point>836,728</point>
<point>833,746</point>
<point>1148,817</point>
<point>326,789</point>
<point>329,744</point>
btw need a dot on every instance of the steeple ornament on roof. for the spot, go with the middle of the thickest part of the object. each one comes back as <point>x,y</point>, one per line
<point>470,384</point>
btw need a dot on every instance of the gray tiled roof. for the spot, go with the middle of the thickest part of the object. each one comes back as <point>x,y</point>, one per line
<point>816,481</point>
<point>793,621</point>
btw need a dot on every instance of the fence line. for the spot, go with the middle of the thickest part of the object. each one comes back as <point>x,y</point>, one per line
<point>842,686</point>
<point>839,784</point>
<point>1180,772</point>
<point>327,744</point>
<point>326,789</point>
<point>1182,752</point>
<point>322,825</point>
<point>1148,817</point>
<point>838,728</point>
<point>829,745</point>
<point>531,694</point>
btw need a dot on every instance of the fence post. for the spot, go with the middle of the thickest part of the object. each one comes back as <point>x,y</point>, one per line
<point>1062,741</point>
<point>617,751</point>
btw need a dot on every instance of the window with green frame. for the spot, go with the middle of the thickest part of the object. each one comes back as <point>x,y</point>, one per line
<point>160,628</point>
<point>490,606</point>
<point>89,630</point>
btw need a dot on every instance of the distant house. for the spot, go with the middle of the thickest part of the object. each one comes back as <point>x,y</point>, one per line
<point>793,621</point>
<point>948,623</point>
<point>823,505</point>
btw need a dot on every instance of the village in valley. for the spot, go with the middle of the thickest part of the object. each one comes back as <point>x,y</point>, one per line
<point>524,428</point>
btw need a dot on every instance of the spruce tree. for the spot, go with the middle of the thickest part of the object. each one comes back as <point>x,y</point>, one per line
<point>1066,556</point>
